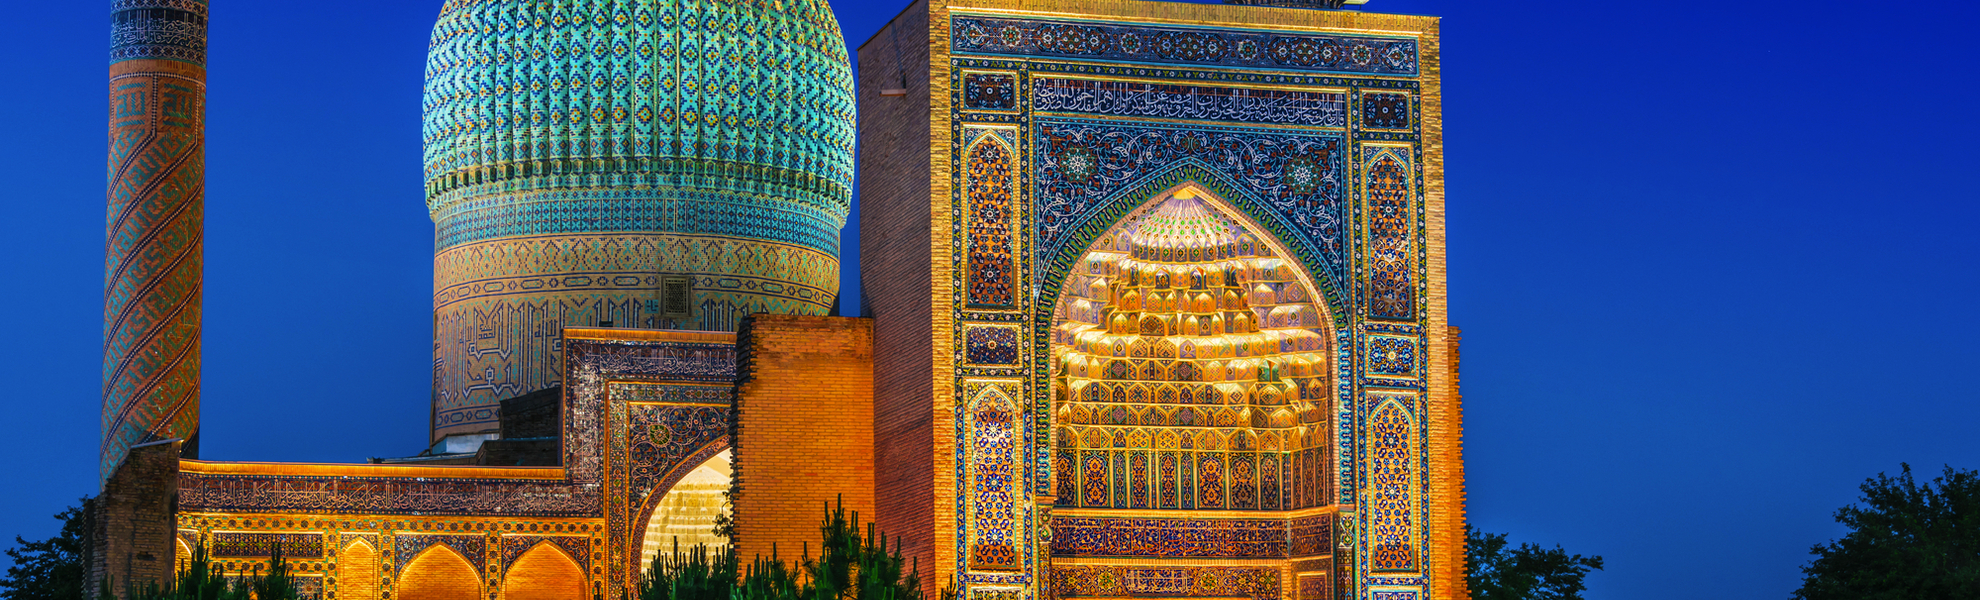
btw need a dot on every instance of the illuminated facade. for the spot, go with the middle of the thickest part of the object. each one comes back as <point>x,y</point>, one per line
<point>645,410</point>
<point>1188,324</point>
<point>1157,291</point>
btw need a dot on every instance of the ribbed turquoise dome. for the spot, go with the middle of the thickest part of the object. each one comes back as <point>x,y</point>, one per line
<point>665,164</point>
<point>739,102</point>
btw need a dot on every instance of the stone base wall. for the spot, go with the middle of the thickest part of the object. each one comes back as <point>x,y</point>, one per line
<point>135,530</point>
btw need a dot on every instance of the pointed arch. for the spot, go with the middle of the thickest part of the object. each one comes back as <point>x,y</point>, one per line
<point>544,572</point>
<point>1217,329</point>
<point>181,555</point>
<point>439,573</point>
<point>357,571</point>
<point>686,510</point>
<point>1390,203</point>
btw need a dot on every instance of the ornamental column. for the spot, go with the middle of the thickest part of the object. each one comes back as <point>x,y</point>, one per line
<point>153,258</point>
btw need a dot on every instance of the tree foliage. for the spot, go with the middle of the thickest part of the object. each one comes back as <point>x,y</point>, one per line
<point>1905,540</point>
<point>1528,572</point>
<point>54,568</point>
<point>200,581</point>
<point>850,566</point>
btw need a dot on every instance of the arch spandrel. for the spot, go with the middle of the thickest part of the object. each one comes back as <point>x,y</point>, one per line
<point>1056,261</point>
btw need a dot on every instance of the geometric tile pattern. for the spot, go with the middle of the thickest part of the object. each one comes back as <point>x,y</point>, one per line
<point>1391,356</point>
<point>990,345</point>
<point>357,489</point>
<point>993,483</point>
<point>991,265</point>
<point>578,152</point>
<point>500,305</point>
<point>1184,46</point>
<point>1083,164</point>
<point>635,401</point>
<point>1391,236</point>
<point>574,546</point>
<point>154,251</point>
<point>1307,141</point>
<point>664,440</point>
<point>990,91</point>
<point>1392,479</point>
<point>1385,111</point>
<point>1315,587</point>
<point>471,547</point>
<point>294,545</point>
<point>1175,537</point>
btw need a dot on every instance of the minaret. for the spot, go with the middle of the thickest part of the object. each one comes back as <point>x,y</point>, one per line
<point>154,258</point>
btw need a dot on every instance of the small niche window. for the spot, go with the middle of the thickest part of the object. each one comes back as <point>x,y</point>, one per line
<point>676,296</point>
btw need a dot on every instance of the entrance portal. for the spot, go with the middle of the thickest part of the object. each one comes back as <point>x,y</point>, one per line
<point>1192,408</point>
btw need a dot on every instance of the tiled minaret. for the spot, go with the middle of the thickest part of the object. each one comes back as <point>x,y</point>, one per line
<point>153,258</point>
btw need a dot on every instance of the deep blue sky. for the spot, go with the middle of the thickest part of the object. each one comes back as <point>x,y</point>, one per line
<point>1713,263</point>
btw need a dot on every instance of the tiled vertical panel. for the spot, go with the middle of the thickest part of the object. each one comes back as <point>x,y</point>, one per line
<point>993,487</point>
<point>990,271</point>
<point>1390,205</point>
<point>1393,500</point>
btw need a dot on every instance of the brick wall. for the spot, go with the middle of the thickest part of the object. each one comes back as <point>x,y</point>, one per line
<point>357,572</point>
<point>895,262</point>
<point>543,573</point>
<point>439,574</point>
<point>136,531</point>
<point>803,428</point>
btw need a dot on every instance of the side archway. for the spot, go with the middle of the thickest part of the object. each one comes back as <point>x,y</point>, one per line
<point>543,573</point>
<point>686,514</point>
<point>439,573</point>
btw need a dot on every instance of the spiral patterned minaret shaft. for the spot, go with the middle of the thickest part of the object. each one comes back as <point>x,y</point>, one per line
<point>153,257</point>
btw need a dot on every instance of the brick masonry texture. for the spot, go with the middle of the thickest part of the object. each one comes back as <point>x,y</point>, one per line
<point>897,267</point>
<point>135,535</point>
<point>439,574</point>
<point>543,574</point>
<point>802,428</point>
<point>357,572</point>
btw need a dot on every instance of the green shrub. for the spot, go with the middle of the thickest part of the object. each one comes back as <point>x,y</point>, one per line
<point>850,566</point>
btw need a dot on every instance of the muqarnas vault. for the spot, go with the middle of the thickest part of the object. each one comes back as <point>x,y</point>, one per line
<point>1156,290</point>
<point>1179,325</point>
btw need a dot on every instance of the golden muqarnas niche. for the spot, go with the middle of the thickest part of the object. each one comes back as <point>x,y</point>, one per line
<point>1189,367</point>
